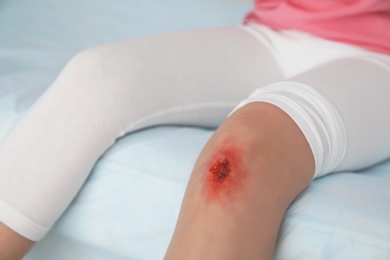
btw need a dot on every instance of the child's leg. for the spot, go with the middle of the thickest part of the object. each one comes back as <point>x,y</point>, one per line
<point>260,159</point>
<point>12,245</point>
<point>192,78</point>
<point>359,89</point>
<point>251,169</point>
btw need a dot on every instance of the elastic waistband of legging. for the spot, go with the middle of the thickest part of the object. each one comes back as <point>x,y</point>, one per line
<point>298,51</point>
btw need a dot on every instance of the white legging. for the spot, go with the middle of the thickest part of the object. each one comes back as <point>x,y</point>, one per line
<point>188,78</point>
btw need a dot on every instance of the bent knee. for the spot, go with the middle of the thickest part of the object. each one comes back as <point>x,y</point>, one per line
<point>105,68</point>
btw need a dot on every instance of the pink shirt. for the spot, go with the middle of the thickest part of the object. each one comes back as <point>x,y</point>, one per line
<point>364,23</point>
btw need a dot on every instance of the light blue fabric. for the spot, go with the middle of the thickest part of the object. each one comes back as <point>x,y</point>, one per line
<point>128,207</point>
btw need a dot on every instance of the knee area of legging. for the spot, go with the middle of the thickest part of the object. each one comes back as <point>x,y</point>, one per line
<point>104,67</point>
<point>89,64</point>
<point>86,61</point>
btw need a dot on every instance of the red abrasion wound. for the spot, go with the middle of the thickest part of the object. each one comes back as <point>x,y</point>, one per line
<point>224,173</point>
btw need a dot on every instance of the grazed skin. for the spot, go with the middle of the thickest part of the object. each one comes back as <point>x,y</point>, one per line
<point>220,170</point>
<point>224,175</point>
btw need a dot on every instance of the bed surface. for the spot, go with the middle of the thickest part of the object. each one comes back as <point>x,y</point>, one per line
<point>128,207</point>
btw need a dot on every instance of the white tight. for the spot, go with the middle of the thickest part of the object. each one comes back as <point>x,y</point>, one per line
<point>189,78</point>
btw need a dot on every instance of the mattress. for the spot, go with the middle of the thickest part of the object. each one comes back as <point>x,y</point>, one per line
<point>129,205</point>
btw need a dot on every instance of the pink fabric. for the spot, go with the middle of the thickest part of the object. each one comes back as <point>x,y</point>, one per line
<point>364,23</point>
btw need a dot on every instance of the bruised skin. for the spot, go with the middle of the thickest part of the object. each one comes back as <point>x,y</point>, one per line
<point>224,173</point>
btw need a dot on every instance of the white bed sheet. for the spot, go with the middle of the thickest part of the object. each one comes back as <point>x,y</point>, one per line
<point>128,207</point>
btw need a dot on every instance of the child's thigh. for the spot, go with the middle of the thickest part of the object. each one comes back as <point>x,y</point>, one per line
<point>359,89</point>
<point>189,77</point>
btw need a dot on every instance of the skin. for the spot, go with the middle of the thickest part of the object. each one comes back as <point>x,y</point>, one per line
<point>224,174</point>
<point>239,218</point>
<point>248,173</point>
<point>12,245</point>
